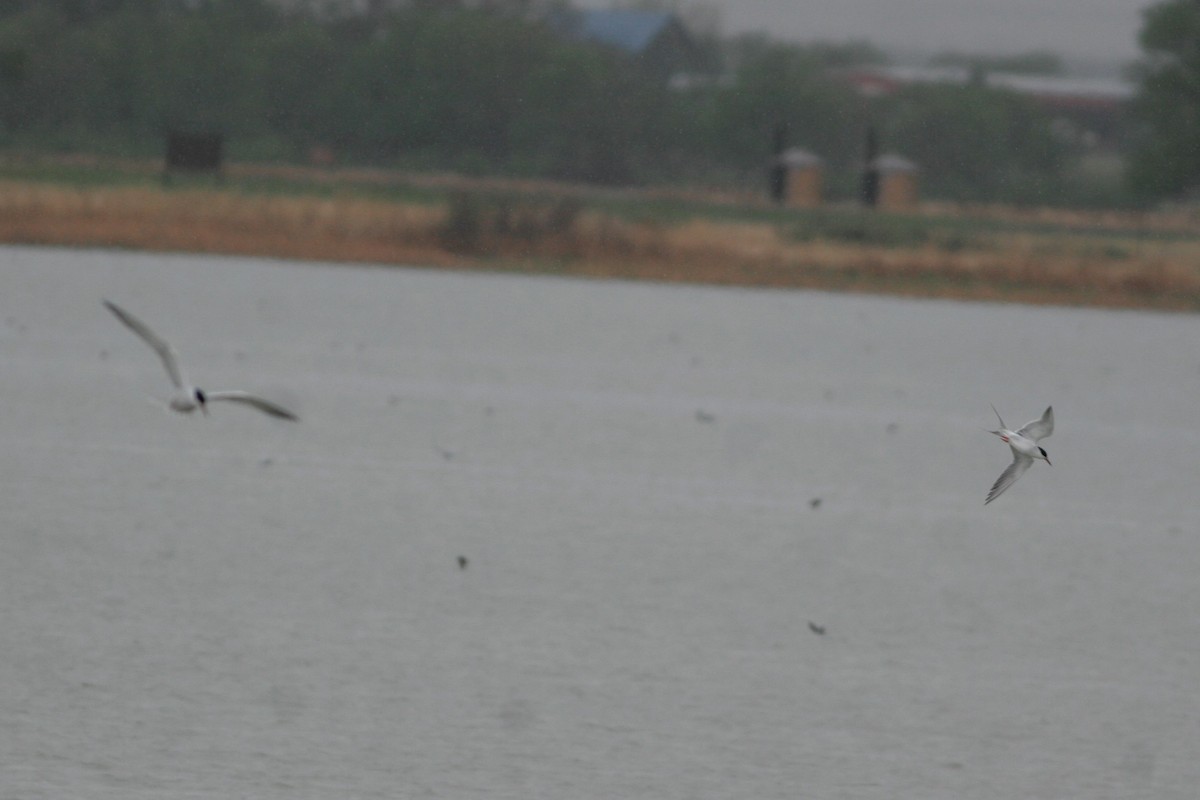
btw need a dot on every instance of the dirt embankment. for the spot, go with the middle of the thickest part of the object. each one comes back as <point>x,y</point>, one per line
<point>1120,260</point>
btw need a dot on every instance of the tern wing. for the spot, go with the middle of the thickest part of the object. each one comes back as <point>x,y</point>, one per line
<point>1039,428</point>
<point>265,406</point>
<point>1007,478</point>
<point>164,350</point>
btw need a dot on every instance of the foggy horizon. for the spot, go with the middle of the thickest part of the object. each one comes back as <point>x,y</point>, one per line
<point>1080,31</point>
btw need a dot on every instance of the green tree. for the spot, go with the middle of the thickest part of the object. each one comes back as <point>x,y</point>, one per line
<point>1167,160</point>
<point>300,64</point>
<point>208,68</point>
<point>464,85</point>
<point>590,116</point>
<point>778,84</point>
<point>411,88</point>
<point>974,143</point>
<point>95,74</point>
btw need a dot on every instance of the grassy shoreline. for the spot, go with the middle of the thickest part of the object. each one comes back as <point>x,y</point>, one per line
<point>1109,259</point>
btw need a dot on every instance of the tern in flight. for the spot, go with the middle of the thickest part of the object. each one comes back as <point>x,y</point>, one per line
<point>187,397</point>
<point>1024,444</point>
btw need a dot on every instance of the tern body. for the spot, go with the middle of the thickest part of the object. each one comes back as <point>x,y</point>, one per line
<point>1025,449</point>
<point>187,397</point>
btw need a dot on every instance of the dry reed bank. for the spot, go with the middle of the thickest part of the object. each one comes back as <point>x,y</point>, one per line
<point>1079,258</point>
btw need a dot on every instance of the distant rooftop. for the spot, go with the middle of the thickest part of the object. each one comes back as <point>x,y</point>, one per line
<point>1051,88</point>
<point>890,163</point>
<point>798,158</point>
<point>657,41</point>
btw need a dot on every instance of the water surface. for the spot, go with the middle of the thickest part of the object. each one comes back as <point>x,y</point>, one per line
<point>239,607</point>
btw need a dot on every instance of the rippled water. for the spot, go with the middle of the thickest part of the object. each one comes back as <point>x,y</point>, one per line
<point>656,489</point>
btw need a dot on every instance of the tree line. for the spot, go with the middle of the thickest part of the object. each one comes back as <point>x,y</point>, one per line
<point>484,88</point>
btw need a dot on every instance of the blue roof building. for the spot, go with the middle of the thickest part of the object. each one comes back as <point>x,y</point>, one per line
<point>631,31</point>
<point>657,39</point>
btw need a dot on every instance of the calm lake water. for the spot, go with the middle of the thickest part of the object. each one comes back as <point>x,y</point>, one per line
<point>656,489</point>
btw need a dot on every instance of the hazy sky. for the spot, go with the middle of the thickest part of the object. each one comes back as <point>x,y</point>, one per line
<point>1081,29</point>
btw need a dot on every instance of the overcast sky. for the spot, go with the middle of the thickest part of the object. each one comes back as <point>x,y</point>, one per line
<point>1094,30</point>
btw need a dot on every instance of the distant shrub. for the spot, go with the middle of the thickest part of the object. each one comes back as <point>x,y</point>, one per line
<point>477,221</point>
<point>865,228</point>
<point>464,223</point>
<point>875,229</point>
